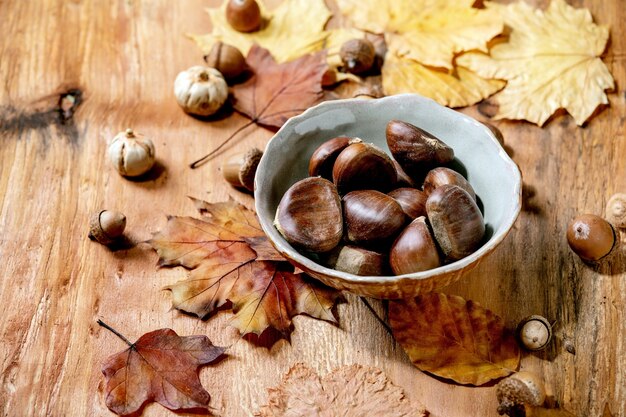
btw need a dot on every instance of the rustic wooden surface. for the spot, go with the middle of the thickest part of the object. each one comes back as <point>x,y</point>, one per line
<point>55,283</point>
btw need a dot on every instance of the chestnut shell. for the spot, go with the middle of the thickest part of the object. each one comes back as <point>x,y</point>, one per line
<point>371,217</point>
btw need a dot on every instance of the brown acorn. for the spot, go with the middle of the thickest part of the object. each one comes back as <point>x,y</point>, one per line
<point>412,201</point>
<point>457,222</point>
<point>363,166</point>
<point>442,175</point>
<point>239,169</point>
<point>323,158</point>
<point>243,15</point>
<point>226,59</point>
<point>414,250</point>
<point>357,55</point>
<point>371,217</point>
<point>415,149</point>
<point>309,215</point>
<point>590,237</point>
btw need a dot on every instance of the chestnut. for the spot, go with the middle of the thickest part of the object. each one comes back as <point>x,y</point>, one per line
<point>442,175</point>
<point>414,250</point>
<point>323,158</point>
<point>403,179</point>
<point>590,237</point>
<point>357,261</point>
<point>309,215</point>
<point>412,201</point>
<point>371,217</point>
<point>415,149</point>
<point>363,166</point>
<point>457,222</point>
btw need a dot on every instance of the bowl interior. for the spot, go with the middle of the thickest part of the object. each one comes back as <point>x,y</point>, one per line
<point>478,155</point>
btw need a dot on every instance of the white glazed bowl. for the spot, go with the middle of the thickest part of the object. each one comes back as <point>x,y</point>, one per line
<point>494,176</point>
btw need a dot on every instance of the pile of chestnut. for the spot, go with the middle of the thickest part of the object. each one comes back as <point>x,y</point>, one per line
<point>360,212</point>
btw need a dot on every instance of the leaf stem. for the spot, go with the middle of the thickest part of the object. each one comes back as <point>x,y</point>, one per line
<point>115,332</point>
<point>208,156</point>
<point>381,321</point>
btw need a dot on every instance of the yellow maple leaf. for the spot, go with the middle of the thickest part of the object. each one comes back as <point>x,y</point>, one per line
<point>404,75</point>
<point>294,29</point>
<point>551,61</point>
<point>428,31</point>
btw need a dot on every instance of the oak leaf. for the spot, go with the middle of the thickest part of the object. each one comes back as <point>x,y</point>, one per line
<point>453,338</point>
<point>453,89</point>
<point>428,31</point>
<point>550,61</point>
<point>234,266</point>
<point>294,29</point>
<point>161,366</point>
<point>349,391</point>
<point>276,92</point>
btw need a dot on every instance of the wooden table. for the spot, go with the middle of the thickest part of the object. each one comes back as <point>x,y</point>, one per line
<point>120,59</point>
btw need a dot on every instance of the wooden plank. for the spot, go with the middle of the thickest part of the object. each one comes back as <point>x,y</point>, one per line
<point>123,57</point>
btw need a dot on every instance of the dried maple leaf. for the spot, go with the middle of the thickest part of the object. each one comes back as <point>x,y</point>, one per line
<point>161,366</point>
<point>551,61</point>
<point>277,92</point>
<point>294,29</point>
<point>464,88</point>
<point>234,265</point>
<point>428,31</point>
<point>453,338</point>
<point>352,390</point>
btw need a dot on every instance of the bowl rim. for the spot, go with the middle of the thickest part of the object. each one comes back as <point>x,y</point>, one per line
<point>306,263</point>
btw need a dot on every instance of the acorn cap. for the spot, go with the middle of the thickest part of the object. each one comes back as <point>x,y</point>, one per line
<point>521,388</point>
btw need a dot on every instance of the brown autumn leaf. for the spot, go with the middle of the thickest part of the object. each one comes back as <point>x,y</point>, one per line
<point>350,391</point>
<point>234,266</point>
<point>276,92</point>
<point>453,338</point>
<point>161,366</point>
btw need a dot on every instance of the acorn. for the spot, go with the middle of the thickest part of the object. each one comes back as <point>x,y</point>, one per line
<point>357,55</point>
<point>243,15</point>
<point>226,59</point>
<point>457,222</point>
<point>239,169</point>
<point>590,237</point>
<point>371,217</point>
<point>616,210</point>
<point>534,333</point>
<point>363,166</point>
<point>519,390</point>
<point>357,261</point>
<point>323,158</point>
<point>414,250</point>
<point>107,226</point>
<point>415,149</point>
<point>442,175</point>
<point>309,215</point>
<point>412,201</point>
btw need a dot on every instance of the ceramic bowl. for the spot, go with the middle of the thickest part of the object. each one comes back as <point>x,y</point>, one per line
<point>478,155</point>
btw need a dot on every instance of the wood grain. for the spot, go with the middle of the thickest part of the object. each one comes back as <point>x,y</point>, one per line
<point>123,56</point>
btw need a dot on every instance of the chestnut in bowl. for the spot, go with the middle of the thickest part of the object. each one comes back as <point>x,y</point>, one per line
<point>495,178</point>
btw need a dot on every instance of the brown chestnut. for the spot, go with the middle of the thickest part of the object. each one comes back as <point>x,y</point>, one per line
<point>309,215</point>
<point>415,149</point>
<point>590,237</point>
<point>457,222</point>
<point>226,59</point>
<point>323,158</point>
<point>243,15</point>
<point>412,201</point>
<point>371,217</point>
<point>363,166</point>
<point>357,261</point>
<point>414,250</point>
<point>442,175</point>
<point>357,55</point>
